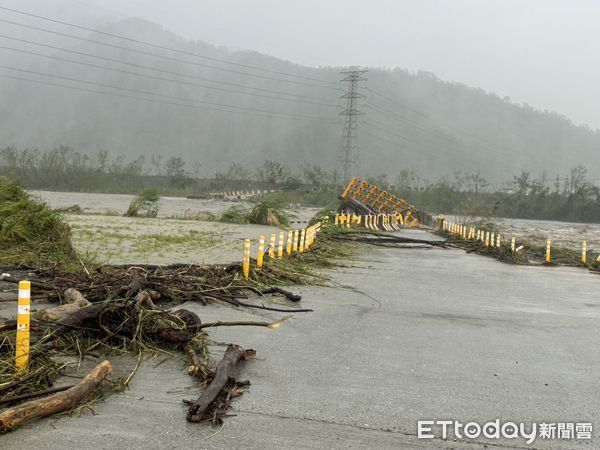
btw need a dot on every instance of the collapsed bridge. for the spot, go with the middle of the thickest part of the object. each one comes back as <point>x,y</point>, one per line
<point>362,198</point>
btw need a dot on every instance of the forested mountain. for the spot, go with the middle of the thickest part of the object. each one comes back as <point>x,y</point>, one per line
<point>411,120</point>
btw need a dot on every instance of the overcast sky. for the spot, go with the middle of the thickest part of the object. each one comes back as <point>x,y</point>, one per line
<point>543,52</point>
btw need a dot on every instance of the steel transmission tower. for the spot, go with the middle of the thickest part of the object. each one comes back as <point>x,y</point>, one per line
<point>349,152</point>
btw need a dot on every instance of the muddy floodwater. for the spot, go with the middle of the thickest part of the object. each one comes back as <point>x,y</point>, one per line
<point>563,234</point>
<point>172,207</point>
<point>175,236</point>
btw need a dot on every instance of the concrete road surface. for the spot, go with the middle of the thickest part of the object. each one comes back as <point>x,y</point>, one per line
<point>417,334</point>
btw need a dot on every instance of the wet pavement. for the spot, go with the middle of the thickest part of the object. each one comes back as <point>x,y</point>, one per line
<point>416,334</point>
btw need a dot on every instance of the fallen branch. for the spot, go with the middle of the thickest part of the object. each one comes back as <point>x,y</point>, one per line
<point>56,403</point>
<point>17,398</point>
<point>73,300</point>
<point>276,290</point>
<point>271,325</point>
<point>200,409</point>
<point>383,239</point>
<point>270,308</point>
<point>289,295</point>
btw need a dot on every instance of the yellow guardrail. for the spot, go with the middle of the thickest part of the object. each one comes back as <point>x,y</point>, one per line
<point>242,193</point>
<point>375,222</point>
<point>496,240</point>
<point>298,241</point>
<point>375,198</point>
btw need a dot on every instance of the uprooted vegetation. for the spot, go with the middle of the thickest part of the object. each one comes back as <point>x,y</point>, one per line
<point>145,204</point>
<point>127,311</point>
<point>30,232</point>
<point>124,312</point>
<point>264,212</point>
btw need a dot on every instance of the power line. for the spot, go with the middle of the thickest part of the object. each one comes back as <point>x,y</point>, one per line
<point>431,131</point>
<point>162,47</point>
<point>400,119</point>
<point>376,136</point>
<point>138,91</point>
<point>423,144</point>
<point>168,58</point>
<point>171,80</point>
<point>124,96</point>
<point>429,118</point>
<point>141,66</point>
<point>392,133</point>
<point>454,139</point>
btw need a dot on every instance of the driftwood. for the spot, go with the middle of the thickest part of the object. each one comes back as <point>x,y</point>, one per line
<point>189,319</point>
<point>74,319</point>
<point>201,408</point>
<point>385,239</point>
<point>124,307</point>
<point>6,325</point>
<point>193,359</point>
<point>277,290</point>
<point>73,300</point>
<point>52,390</point>
<point>242,323</point>
<point>195,366</point>
<point>73,296</point>
<point>56,403</point>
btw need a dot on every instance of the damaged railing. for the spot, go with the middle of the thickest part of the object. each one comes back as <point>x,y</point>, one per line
<point>363,198</point>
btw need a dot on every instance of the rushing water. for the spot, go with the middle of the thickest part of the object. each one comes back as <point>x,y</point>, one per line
<point>564,234</point>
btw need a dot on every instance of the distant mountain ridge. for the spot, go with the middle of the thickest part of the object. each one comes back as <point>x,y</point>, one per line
<point>411,120</point>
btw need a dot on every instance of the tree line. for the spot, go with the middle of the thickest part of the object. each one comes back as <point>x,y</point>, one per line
<point>64,168</point>
<point>572,196</point>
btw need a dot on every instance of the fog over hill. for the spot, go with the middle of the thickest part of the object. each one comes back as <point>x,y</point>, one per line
<point>135,103</point>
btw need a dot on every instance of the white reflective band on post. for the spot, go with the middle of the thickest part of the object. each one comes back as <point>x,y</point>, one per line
<point>23,309</point>
<point>24,293</point>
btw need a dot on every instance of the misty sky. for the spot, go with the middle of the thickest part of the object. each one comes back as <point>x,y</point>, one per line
<point>543,52</point>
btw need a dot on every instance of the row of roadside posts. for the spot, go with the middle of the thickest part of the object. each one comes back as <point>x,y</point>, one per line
<point>492,239</point>
<point>287,243</point>
<point>387,222</point>
<point>240,194</point>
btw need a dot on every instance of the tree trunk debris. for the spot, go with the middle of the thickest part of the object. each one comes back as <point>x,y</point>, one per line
<point>126,308</point>
<point>213,403</point>
<point>55,403</point>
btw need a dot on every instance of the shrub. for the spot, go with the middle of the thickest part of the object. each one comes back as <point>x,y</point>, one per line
<point>30,232</point>
<point>146,201</point>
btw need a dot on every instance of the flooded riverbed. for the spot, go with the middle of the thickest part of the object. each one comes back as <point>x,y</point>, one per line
<point>104,235</point>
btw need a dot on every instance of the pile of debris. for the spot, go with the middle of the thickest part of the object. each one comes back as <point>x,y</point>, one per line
<point>129,309</point>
